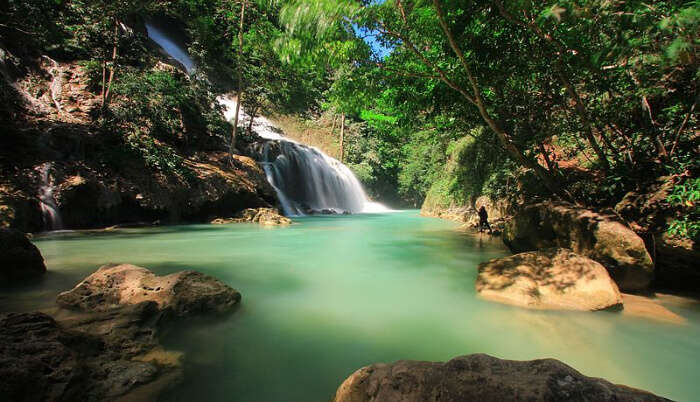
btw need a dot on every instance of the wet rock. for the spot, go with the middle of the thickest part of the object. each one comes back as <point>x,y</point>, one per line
<point>19,258</point>
<point>480,377</point>
<point>36,360</point>
<point>601,237</point>
<point>42,360</point>
<point>548,279</point>
<point>180,294</point>
<point>106,348</point>
<point>263,216</point>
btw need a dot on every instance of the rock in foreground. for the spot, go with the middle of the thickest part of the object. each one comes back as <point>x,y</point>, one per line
<point>19,258</point>
<point>108,350</point>
<point>263,216</point>
<point>42,360</point>
<point>597,236</point>
<point>548,279</point>
<point>180,294</point>
<point>482,378</point>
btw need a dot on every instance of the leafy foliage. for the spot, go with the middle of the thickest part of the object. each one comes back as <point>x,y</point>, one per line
<point>686,196</point>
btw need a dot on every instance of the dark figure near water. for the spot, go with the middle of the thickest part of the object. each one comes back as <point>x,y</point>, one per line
<point>484,220</point>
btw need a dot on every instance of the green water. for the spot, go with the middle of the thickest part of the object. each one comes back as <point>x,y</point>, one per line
<point>331,294</point>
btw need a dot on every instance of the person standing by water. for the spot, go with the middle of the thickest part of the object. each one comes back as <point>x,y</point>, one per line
<point>484,220</point>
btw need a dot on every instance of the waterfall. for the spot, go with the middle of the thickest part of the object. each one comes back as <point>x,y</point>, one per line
<point>305,179</point>
<point>170,47</point>
<point>49,209</point>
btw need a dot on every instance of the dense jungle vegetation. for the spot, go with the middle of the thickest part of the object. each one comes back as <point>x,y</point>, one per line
<point>578,100</point>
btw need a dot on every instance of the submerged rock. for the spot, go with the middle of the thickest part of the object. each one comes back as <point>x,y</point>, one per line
<point>548,279</point>
<point>179,294</point>
<point>601,237</point>
<point>19,258</point>
<point>263,216</point>
<point>480,377</point>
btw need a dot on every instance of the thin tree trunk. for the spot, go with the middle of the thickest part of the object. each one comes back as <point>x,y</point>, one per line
<point>335,118</point>
<point>108,94</point>
<point>342,137</point>
<point>104,79</point>
<point>252,118</point>
<point>545,155</point>
<point>239,94</point>
<point>682,127</point>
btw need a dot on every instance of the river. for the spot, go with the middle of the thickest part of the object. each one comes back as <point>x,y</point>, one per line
<point>333,293</point>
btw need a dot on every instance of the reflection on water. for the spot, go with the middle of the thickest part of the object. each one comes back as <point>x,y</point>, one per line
<point>330,294</point>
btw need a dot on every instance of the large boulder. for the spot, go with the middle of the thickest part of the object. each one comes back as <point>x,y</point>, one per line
<point>179,294</point>
<point>548,279</point>
<point>19,258</point>
<point>483,378</point>
<point>602,237</point>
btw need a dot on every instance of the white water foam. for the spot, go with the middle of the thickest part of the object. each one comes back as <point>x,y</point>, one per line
<point>47,202</point>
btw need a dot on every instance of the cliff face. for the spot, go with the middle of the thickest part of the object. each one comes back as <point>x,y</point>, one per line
<point>56,148</point>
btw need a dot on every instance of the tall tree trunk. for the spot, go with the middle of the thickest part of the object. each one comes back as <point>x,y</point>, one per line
<point>342,137</point>
<point>108,92</point>
<point>239,94</point>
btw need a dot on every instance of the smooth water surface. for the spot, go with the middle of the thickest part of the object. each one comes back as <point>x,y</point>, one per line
<point>329,295</point>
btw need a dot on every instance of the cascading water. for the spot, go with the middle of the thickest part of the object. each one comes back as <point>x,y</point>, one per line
<point>306,180</point>
<point>49,209</point>
<point>170,46</point>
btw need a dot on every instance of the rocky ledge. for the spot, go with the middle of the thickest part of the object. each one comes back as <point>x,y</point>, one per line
<point>107,349</point>
<point>548,279</point>
<point>601,237</point>
<point>481,377</point>
<point>263,216</point>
